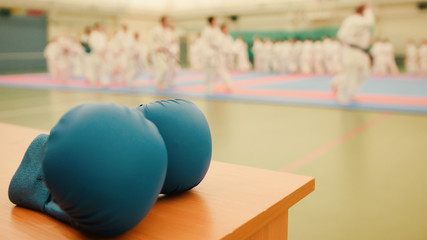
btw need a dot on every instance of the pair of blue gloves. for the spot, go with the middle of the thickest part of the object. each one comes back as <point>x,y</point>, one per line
<point>103,166</point>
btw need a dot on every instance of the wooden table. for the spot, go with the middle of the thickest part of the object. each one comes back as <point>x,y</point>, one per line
<point>232,202</point>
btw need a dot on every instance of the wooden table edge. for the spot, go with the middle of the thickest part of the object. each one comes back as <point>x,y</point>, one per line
<point>261,220</point>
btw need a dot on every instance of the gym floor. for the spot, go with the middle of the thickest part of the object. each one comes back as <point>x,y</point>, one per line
<point>370,167</point>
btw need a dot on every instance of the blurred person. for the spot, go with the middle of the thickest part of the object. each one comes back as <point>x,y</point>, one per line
<point>355,36</point>
<point>137,60</point>
<point>227,48</point>
<point>285,56</point>
<point>266,54</point>
<point>379,58</point>
<point>50,53</point>
<point>84,41</point>
<point>242,57</point>
<point>306,57</point>
<point>327,54</point>
<point>57,59</point>
<point>163,57</point>
<point>121,48</point>
<point>195,54</point>
<point>77,54</point>
<point>140,52</point>
<point>335,49</point>
<point>423,57</point>
<point>112,61</point>
<point>389,60</point>
<point>175,51</point>
<point>332,55</point>
<point>60,53</point>
<point>292,58</point>
<point>257,53</point>
<point>297,52</point>
<point>214,60</point>
<point>68,60</point>
<point>98,69</point>
<point>411,57</point>
<point>318,58</point>
<point>276,54</point>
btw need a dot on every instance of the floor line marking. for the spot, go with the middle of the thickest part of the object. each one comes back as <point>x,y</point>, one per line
<point>325,148</point>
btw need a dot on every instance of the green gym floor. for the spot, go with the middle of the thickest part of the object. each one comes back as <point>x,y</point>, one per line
<point>370,167</point>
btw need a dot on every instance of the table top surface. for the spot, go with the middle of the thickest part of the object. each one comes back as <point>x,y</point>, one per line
<point>229,203</point>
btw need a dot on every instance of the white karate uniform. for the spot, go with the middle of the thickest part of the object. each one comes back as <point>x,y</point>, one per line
<point>292,57</point>
<point>411,63</point>
<point>77,59</point>
<point>258,55</point>
<point>378,54</point>
<point>98,69</point>
<point>423,58</point>
<point>355,30</point>
<point>121,51</point>
<point>227,49</point>
<point>318,58</point>
<point>140,53</point>
<point>336,62</point>
<point>57,54</point>
<point>332,55</point>
<point>297,50</point>
<point>49,54</point>
<point>327,55</point>
<point>242,58</point>
<point>276,55</point>
<point>136,63</point>
<point>195,54</point>
<point>266,56</point>
<point>53,53</point>
<point>214,59</point>
<point>84,40</point>
<point>306,57</point>
<point>162,56</point>
<point>389,60</point>
<point>175,51</point>
<point>113,63</point>
<point>285,56</point>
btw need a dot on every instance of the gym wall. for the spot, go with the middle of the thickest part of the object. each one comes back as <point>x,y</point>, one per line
<point>22,40</point>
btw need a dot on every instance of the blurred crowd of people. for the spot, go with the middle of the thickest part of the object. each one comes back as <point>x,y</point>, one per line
<point>235,51</point>
<point>101,60</point>
<point>321,56</point>
<point>296,56</point>
<point>416,57</point>
<point>384,62</point>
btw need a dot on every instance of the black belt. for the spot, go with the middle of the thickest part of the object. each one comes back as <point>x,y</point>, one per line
<point>365,50</point>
